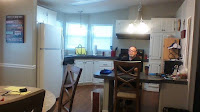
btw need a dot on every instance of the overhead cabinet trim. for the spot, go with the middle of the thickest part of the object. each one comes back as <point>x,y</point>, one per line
<point>133,36</point>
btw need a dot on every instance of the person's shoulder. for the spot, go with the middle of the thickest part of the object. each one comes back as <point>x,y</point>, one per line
<point>123,58</point>
<point>137,59</point>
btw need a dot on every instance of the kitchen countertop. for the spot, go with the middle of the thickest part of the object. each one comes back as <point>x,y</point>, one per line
<point>69,59</point>
<point>145,78</point>
<point>90,57</point>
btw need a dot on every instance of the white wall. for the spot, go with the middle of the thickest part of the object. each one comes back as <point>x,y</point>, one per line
<point>18,60</point>
<point>185,11</point>
<point>131,13</point>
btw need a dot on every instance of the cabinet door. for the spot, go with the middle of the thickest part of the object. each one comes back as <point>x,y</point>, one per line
<point>156,46</point>
<point>156,24</point>
<point>168,24</point>
<point>42,15</point>
<point>80,64</point>
<point>97,69</point>
<point>52,17</point>
<point>88,71</point>
<point>154,67</point>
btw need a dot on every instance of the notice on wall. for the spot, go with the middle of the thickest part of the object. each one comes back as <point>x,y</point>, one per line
<point>15,29</point>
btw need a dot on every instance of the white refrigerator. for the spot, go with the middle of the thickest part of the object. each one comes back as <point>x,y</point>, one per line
<point>50,58</point>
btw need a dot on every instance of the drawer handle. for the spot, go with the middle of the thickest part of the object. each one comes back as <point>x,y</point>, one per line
<point>105,64</point>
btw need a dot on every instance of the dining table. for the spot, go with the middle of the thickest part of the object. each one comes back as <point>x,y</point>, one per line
<point>49,99</point>
<point>171,88</point>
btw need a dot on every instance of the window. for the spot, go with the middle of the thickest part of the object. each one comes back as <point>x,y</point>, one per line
<point>102,36</point>
<point>76,35</point>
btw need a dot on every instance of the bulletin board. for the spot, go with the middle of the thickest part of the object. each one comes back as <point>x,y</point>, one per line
<point>166,52</point>
<point>15,29</point>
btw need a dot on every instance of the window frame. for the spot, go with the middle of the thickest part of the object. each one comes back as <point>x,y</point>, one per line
<point>92,35</point>
<point>67,36</point>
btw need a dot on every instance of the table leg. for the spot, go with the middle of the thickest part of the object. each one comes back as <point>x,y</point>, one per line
<point>108,95</point>
<point>111,95</point>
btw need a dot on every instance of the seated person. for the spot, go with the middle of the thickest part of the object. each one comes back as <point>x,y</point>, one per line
<point>132,55</point>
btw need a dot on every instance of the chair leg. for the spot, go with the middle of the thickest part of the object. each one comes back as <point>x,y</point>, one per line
<point>137,105</point>
<point>115,105</point>
<point>59,105</point>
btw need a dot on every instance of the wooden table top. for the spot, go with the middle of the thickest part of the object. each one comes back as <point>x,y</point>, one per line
<point>49,100</point>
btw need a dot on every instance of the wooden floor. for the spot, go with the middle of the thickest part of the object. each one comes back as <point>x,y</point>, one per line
<point>82,100</point>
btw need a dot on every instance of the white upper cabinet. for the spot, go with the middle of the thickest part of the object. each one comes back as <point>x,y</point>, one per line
<point>163,24</point>
<point>156,41</point>
<point>46,16</point>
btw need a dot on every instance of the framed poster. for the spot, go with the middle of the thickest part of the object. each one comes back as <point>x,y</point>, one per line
<point>15,29</point>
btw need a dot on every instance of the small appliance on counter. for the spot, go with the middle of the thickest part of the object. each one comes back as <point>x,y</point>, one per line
<point>169,66</point>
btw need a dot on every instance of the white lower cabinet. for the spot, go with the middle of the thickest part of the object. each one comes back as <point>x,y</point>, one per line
<point>90,67</point>
<point>87,73</point>
<point>100,65</point>
<point>154,67</point>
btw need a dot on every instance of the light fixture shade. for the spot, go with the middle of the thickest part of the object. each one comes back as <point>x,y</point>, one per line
<point>142,28</point>
<point>131,28</point>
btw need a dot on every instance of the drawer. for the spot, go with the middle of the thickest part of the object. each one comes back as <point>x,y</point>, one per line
<point>105,63</point>
<point>153,85</point>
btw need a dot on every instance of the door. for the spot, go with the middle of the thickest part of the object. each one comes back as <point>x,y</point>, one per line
<point>80,64</point>
<point>168,24</point>
<point>156,24</point>
<point>154,67</point>
<point>96,69</point>
<point>156,45</point>
<point>88,71</point>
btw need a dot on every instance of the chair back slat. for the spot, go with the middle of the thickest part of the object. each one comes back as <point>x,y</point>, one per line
<point>69,87</point>
<point>32,102</point>
<point>126,73</point>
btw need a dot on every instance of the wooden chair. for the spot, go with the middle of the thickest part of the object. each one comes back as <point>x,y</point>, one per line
<point>32,102</point>
<point>127,85</point>
<point>69,88</point>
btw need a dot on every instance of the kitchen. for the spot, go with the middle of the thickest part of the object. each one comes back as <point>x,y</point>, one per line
<point>112,16</point>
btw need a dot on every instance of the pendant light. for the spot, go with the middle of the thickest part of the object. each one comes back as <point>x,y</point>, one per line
<point>80,12</point>
<point>138,26</point>
<point>81,28</point>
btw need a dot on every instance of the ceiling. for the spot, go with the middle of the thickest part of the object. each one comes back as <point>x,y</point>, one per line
<point>95,6</point>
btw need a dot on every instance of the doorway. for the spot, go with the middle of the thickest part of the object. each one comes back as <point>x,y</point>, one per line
<point>196,106</point>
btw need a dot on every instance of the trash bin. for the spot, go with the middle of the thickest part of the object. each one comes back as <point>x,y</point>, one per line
<point>170,109</point>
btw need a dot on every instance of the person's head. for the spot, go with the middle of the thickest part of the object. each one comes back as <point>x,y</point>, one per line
<point>132,52</point>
